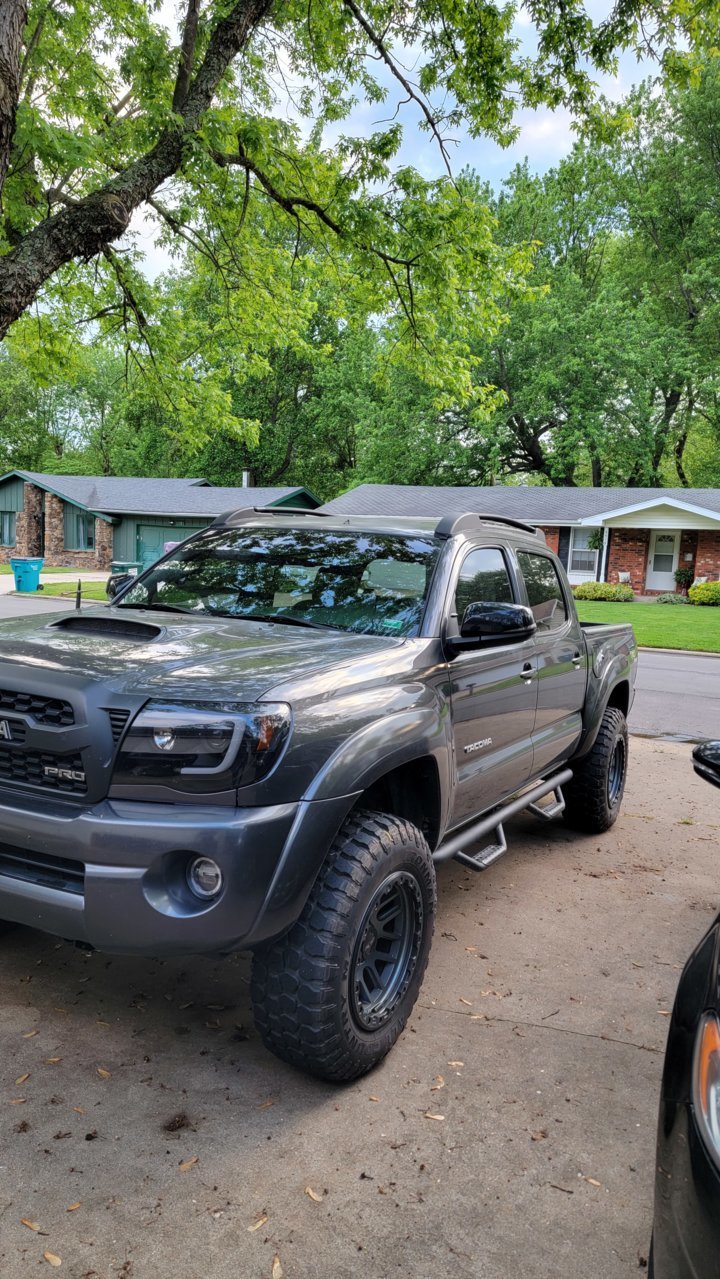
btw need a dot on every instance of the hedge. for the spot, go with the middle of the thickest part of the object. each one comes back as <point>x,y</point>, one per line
<point>610,591</point>
<point>670,598</point>
<point>705,593</point>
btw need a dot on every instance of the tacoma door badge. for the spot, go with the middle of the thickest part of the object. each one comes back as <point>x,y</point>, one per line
<point>478,746</point>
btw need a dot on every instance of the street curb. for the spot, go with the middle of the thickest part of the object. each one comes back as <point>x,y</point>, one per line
<point>685,652</point>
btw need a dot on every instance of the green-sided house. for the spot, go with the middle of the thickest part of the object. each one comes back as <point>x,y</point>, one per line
<point>92,521</point>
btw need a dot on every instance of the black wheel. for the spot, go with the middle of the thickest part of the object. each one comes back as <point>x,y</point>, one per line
<point>594,796</point>
<point>334,993</point>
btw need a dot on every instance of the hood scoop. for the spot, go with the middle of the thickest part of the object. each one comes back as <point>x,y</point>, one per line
<point>112,627</point>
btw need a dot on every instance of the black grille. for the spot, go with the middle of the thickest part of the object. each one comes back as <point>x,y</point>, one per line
<point>39,868</point>
<point>46,710</point>
<point>30,766</point>
<point>118,720</point>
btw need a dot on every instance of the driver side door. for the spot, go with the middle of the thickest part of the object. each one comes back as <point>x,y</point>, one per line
<point>493,693</point>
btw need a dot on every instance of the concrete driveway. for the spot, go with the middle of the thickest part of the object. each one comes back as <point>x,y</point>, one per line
<point>145,1132</point>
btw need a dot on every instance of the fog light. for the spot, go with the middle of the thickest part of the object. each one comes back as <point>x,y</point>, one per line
<point>204,877</point>
<point>164,739</point>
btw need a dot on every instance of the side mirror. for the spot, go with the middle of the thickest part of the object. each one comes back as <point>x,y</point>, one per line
<point>117,583</point>
<point>706,762</point>
<point>490,622</point>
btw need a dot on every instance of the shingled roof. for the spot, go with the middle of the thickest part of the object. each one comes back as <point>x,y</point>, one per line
<point>130,495</point>
<point>547,506</point>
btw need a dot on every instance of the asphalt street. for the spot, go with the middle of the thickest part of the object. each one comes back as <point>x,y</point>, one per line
<point>677,696</point>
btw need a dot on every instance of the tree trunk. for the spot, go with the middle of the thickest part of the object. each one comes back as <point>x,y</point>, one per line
<point>86,227</point>
<point>13,15</point>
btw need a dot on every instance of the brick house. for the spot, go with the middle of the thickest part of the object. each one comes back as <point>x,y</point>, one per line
<point>639,536</point>
<point>89,521</point>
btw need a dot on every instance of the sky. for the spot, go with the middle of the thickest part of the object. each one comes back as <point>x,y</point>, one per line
<point>545,136</point>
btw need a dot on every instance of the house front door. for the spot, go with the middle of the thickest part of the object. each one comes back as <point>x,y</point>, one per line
<point>663,560</point>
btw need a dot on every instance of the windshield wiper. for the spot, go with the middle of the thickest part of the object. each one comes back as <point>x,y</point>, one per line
<point>278,617</point>
<point>161,608</point>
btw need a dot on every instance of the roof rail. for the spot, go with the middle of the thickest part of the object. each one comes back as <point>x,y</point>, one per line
<point>248,513</point>
<point>451,524</point>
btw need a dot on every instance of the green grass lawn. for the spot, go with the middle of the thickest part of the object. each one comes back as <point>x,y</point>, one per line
<point>90,590</point>
<point>661,625</point>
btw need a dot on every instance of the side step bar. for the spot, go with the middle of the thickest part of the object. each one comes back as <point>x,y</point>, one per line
<point>493,824</point>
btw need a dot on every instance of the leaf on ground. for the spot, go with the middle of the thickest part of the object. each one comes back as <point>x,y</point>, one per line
<point>277,1270</point>
<point>187,1164</point>
<point>22,1079</point>
<point>430,1115</point>
<point>257,1224</point>
<point>78,1110</point>
<point>103,1073</point>
<point>74,1207</point>
<point>17,1101</point>
<point>52,1258</point>
<point>540,1135</point>
<point>265,1105</point>
<point>467,1002</point>
<point>313,1194</point>
<point>456,1063</point>
<point>373,1098</point>
<point>591,1180</point>
<point>663,1012</point>
<point>439,1083</point>
<point>31,1225</point>
<point>52,1061</point>
<point>98,1022</point>
<point>30,1034</point>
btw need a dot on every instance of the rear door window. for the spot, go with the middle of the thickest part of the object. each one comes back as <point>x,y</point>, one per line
<point>545,593</point>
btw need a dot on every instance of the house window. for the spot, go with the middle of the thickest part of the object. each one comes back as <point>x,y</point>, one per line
<point>80,532</point>
<point>7,528</point>
<point>583,559</point>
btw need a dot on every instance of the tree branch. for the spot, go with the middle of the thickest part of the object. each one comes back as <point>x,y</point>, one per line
<point>13,16</point>
<point>83,230</point>
<point>187,54</point>
<point>412,93</point>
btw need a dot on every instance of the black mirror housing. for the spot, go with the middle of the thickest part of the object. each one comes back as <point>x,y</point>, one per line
<point>117,583</point>
<point>488,622</point>
<point>706,761</point>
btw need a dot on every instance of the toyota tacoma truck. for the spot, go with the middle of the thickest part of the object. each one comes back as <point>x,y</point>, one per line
<point>269,739</point>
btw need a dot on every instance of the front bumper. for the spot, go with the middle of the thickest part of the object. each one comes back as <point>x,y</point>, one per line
<point>113,876</point>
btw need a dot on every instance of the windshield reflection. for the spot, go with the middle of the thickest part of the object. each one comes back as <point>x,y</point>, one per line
<point>365,583</point>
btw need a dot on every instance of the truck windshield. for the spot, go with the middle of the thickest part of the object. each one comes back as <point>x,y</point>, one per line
<point>368,583</point>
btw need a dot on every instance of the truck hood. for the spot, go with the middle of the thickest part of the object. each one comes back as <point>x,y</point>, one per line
<point>169,656</point>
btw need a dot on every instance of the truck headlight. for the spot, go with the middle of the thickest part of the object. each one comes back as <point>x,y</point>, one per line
<point>201,747</point>
<point>706,1083</point>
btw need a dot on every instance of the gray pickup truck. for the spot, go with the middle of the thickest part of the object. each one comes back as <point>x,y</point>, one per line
<point>269,739</point>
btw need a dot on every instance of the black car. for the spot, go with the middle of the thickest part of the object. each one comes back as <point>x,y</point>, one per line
<point>686,1229</point>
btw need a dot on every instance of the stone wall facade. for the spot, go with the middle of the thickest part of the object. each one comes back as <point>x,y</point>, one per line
<point>28,523</point>
<point>56,553</point>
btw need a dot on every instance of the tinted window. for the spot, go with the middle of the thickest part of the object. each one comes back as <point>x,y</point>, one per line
<point>370,583</point>
<point>483,576</point>
<point>544,590</point>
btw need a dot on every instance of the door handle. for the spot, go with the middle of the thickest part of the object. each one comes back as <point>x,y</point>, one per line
<point>527,672</point>
<point>577,660</point>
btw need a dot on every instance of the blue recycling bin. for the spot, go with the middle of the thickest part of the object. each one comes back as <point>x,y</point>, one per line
<point>27,573</point>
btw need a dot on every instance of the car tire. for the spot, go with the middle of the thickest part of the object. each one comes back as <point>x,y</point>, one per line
<point>594,796</point>
<point>332,996</point>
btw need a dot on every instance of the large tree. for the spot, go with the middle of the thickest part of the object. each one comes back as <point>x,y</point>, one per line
<point>101,108</point>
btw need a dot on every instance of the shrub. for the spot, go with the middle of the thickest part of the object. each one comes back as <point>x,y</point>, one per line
<point>685,577</point>
<point>669,598</point>
<point>705,593</point>
<point>610,591</point>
